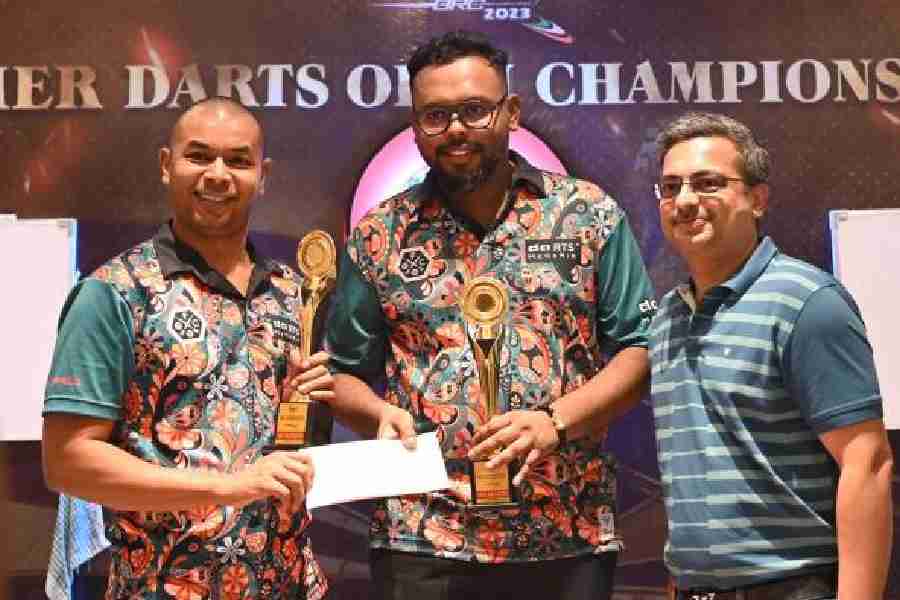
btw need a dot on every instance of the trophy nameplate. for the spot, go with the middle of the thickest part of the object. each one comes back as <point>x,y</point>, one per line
<point>297,414</point>
<point>485,304</point>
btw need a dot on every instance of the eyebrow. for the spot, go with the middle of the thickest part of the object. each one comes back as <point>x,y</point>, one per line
<point>197,145</point>
<point>697,174</point>
<point>482,99</point>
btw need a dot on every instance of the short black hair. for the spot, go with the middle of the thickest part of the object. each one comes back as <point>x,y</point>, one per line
<point>755,161</point>
<point>451,46</point>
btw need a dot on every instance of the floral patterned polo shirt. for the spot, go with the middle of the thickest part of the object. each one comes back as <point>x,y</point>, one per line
<point>190,370</point>
<point>579,292</point>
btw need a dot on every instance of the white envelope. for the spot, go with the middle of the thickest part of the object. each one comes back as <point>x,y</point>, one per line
<point>375,469</point>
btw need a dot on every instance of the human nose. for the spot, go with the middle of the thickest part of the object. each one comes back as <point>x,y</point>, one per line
<point>217,173</point>
<point>455,124</point>
<point>217,168</point>
<point>686,193</point>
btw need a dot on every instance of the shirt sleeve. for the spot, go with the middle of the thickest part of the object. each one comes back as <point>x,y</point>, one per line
<point>625,297</point>
<point>356,333</point>
<point>830,368</point>
<point>93,360</point>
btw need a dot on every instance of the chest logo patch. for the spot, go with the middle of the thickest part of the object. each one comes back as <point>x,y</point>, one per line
<point>187,325</point>
<point>285,330</point>
<point>414,263</point>
<point>553,251</point>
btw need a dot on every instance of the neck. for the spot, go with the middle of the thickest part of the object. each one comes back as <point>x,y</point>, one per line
<point>483,204</point>
<point>709,271</point>
<point>227,255</point>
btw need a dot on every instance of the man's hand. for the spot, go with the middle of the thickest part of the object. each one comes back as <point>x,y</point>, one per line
<point>515,434</point>
<point>286,476</point>
<point>396,423</point>
<point>310,377</point>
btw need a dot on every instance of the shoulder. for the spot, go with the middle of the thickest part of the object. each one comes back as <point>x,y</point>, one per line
<point>567,187</point>
<point>792,281</point>
<point>124,271</point>
<point>574,194</point>
<point>378,231</point>
<point>396,209</point>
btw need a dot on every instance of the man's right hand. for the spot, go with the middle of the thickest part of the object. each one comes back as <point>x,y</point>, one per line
<point>396,423</point>
<point>287,476</point>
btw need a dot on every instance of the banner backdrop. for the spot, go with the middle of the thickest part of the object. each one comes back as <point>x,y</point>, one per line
<point>89,90</point>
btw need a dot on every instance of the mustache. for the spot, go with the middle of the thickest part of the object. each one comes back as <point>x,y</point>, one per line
<point>468,146</point>
<point>686,214</point>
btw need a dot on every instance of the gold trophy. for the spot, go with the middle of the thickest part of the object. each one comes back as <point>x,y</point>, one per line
<point>297,415</point>
<point>485,303</point>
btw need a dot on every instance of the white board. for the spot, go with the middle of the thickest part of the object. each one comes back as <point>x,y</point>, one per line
<point>866,258</point>
<point>37,268</point>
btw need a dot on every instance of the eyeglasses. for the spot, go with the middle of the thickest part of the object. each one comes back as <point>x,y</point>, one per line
<point>701,183</point>
<point>473,114</point>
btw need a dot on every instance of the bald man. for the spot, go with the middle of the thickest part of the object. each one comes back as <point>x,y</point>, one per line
<point>169,365</point>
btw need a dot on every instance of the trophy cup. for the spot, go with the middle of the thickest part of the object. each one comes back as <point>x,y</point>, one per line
<point>485,303</point>
<point>298,415</point>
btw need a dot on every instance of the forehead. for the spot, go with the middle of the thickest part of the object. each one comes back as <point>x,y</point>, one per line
<point>702,154</point>
<point>466,77</point>
<point>219,127</point>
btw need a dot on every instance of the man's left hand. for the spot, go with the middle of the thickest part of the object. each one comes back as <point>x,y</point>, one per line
<point>309,376</point>
<point>515,434</point>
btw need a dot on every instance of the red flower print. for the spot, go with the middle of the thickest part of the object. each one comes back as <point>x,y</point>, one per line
<point>176,438</point>
<point>465,244</point>
<point>256,541</point>
<point>189,358</point>
<point>206,521</point>
<point>442,537</point>
<point>290,551</point>
<point>491,539</point>
<point>559,517</point>
<point>235,580</point>
<point>193,586</point>
<point>588,530</point>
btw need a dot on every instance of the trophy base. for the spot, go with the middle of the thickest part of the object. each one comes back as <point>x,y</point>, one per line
<point>492,488</point>
<point>299,425</point>
<point>266,450</point>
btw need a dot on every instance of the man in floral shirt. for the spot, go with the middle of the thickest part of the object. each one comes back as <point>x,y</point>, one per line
<point>579,295</point>
<point>169,365</point>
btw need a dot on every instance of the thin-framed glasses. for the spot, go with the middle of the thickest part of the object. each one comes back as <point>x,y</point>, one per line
<point>701,183</point>
<point>474,114</point>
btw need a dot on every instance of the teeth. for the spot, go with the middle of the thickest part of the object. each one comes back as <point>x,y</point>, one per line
<point>212,197</point>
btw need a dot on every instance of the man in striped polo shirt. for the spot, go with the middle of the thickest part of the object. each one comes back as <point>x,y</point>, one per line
<point>775,463</point>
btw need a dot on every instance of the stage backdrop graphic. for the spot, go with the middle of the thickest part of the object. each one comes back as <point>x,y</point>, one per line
<point>88,92</point>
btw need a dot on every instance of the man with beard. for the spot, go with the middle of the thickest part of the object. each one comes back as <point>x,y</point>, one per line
<point>169,365</point>
<point>578,291</point>
<point>775,464</point>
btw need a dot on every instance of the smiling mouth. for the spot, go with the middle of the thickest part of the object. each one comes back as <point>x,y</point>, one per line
<point>217,198</point>
<point>459,151</point>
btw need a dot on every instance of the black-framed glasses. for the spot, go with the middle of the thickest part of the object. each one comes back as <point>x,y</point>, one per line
<point>701,183</point>
<point>474,114</point>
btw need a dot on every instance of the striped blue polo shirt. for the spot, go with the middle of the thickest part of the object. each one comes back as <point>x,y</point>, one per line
<point>742,386</point>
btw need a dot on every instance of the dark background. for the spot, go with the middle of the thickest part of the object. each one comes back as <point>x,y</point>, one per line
<point>100,166</point>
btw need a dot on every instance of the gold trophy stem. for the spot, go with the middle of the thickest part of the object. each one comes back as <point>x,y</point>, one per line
<point>307,317</point>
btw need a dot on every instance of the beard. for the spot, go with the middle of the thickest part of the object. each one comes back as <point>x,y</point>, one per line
<point>464,183</point>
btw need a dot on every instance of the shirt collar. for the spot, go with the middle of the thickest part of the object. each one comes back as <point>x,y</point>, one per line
<point>177,257</point>
<point>741,281</point>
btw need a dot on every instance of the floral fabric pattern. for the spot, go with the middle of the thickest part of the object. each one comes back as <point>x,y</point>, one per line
<point>202,396</point>
<point>415,255</point>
